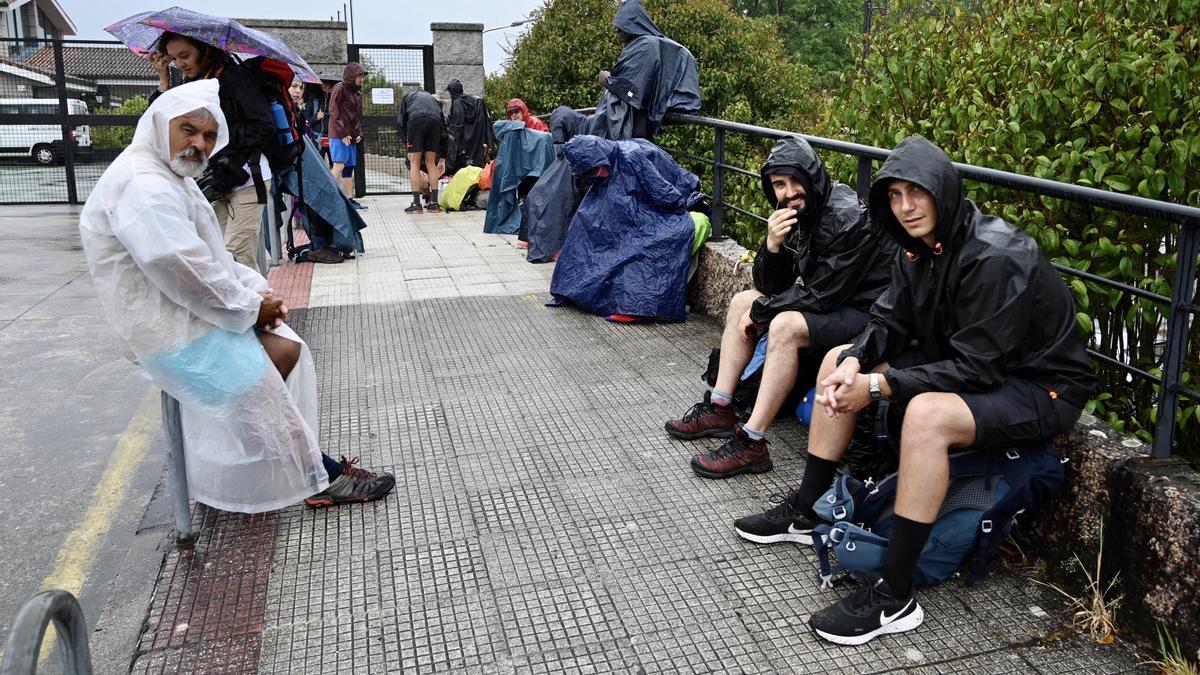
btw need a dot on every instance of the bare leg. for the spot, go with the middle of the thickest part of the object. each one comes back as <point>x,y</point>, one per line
<point>433,168</point>
<point>338,167</point>
<point>789,334</point>
<point>933,423</point>
<point>416,177</point>
<point>284,353</point>
<point>736,349</point>
<point>828,437</point>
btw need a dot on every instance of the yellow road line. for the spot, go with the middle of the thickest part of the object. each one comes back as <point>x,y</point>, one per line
<point>78,551</point>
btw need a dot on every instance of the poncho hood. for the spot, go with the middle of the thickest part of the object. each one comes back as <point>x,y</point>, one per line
<point>633,19</point>
<point>154,127</point>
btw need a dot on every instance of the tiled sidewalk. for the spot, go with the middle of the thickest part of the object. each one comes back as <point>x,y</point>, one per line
<point>542,520</point>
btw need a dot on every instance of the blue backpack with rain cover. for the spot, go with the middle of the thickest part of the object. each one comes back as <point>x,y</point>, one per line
<point>988,490</point>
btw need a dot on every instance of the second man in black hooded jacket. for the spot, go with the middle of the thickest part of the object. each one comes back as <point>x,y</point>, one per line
<point>815,278</point>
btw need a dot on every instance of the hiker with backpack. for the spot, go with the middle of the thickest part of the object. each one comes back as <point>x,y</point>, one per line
<point>345,127</point>
<point>238,176</point>
<point>815,277</point>
<point>974,345</point>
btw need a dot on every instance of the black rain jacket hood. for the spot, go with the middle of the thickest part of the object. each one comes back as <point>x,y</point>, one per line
<point>832,258</point>
<point>469,129</point>
<point>455,88</point>
<point>985,306</point>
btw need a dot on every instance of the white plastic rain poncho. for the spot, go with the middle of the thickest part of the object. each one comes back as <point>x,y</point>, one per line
<point>187,312</point>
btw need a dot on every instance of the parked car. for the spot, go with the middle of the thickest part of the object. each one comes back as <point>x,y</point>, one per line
<point>42,141</point>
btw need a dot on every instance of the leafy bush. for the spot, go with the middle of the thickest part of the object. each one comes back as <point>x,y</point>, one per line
<point>118,137</point>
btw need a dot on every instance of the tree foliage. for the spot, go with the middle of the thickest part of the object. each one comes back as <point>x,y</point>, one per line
<point>117,137</point>
<point>817,33</point>
<point>746,74</point>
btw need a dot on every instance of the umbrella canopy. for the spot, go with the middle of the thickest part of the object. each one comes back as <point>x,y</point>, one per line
<point>141,32</point>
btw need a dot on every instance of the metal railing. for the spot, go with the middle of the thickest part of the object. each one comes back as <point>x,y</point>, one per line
<point>1182,309</point>
<point>24,644</point>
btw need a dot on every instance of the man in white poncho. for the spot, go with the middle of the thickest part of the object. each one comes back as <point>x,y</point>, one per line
<point>205,328</point>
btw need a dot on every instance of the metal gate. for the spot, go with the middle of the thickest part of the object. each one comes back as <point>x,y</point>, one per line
<point>67,108</point>
<point>392,72</point>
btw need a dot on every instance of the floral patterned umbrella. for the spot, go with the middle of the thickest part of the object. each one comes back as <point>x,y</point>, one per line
<point>141,32</point>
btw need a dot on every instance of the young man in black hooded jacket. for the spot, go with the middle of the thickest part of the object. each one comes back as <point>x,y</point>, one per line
<point>818,272</point>
<point>975,339</point>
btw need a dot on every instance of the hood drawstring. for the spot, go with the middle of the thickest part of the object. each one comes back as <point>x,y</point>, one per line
<point>913,257</point>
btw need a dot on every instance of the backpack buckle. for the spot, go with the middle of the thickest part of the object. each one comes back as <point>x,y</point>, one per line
<point>986,526</point>
<point>1012,454</point>
<point>839,512</point>
<point>1064,460</point>
<point>830,498</point>
<point>850,546</point>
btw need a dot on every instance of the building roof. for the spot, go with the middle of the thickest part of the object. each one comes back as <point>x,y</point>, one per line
<point>42,77</point>
<point>96,62</point>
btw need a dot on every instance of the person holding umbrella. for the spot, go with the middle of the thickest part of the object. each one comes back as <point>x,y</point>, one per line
<point>238,174</point>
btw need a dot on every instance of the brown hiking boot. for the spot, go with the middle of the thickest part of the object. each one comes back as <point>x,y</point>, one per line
<point>738,455</point>
<point>705,419</point>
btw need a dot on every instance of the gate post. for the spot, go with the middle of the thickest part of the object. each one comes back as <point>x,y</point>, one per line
<point>68,149</point>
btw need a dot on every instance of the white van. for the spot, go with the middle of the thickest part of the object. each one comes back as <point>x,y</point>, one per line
<point>42,142</point>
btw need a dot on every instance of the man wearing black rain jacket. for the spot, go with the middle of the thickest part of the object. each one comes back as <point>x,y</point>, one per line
<point>975,340</point>
<point>815,277</point>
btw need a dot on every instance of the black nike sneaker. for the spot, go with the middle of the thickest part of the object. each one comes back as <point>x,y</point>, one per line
<point>870,611</point>
<point>786,521</point>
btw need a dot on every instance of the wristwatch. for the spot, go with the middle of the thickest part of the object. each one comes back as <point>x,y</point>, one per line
<point>873,387</point>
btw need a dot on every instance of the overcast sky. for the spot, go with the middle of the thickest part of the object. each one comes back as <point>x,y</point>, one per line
<point>377,21</point>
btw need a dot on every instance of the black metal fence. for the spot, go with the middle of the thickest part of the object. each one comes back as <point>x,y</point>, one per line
<point>66,109</point>
<point>69,107</point>
<point>1182,304</point>
<point>393,71</point>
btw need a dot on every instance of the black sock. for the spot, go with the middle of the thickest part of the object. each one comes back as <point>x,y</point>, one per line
<point>416,199</point>
<point>332,467</point>
<point>904,548</point>
<point>818,476</point>
<point>433,198</point>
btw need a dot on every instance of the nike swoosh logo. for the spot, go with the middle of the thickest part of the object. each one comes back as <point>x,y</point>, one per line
<point>792,529</point>
<point>884,619</point>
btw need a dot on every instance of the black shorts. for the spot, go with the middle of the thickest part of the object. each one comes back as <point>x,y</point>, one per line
<point>829,330</point>
<point>424,134</point>
<point>1018,414</point>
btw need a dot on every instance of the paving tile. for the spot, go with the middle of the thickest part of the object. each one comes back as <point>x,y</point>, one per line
<point>543,521</point>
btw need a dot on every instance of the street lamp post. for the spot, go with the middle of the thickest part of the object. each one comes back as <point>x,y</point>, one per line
<point>514,24</point>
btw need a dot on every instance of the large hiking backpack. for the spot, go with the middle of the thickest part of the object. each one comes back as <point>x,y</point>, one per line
<point>988,490</point>
<point>274,77</point>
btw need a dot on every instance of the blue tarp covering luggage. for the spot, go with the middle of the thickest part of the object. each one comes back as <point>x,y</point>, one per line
<point>524,153</point>
<point>323,195</point>
<point>628,247</point>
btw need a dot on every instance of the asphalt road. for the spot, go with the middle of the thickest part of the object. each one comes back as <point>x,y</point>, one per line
<point>69,395</point>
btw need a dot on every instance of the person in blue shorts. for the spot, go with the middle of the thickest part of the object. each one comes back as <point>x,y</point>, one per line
<point>345,127</point>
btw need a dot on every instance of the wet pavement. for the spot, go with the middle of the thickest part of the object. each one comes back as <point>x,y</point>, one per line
<point>542,520</point>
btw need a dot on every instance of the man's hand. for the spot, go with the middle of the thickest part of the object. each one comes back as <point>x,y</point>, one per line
<point>271,312</point>
<point>837,392</point>
<point>320,115</point>
<point>348,139</point>
<point>602,78</point>
<point>779,224</point>
<point>358,140</point>
<point>747,328</point>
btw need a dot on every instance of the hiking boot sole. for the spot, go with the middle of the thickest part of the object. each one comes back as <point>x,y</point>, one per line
<point>798,538</point>
<point>707,433</point>
<point>758,467</point>
<point>914,619</point>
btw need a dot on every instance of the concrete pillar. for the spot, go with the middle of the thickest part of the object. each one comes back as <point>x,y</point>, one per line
<point>458,54</point>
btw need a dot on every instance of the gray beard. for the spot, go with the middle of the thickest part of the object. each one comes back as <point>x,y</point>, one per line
<point>187,168</point>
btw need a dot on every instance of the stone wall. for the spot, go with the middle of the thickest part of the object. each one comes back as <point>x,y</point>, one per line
<point>321,43</point>
<point>1149,510</point>
<point>458,54</point>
